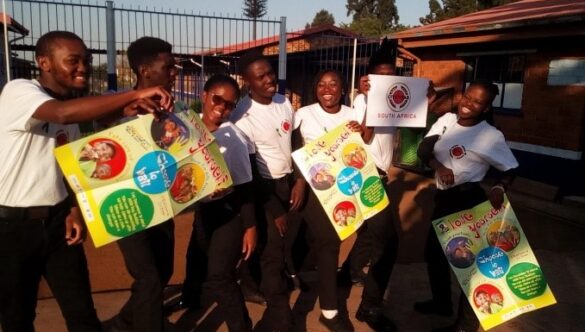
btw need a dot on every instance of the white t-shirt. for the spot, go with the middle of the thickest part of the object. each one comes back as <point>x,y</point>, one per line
<point>30,175</point>
<point>314,122</point>
<point>469,151</point>
<point>382,145</point>
<point>236,149</point>
<point>269,127</point>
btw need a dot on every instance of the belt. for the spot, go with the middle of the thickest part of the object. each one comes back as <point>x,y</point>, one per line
<point>31,212</point>
<point>25,213</point>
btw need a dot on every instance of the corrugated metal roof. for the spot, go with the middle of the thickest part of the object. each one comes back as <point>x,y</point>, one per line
<point>521,13</point>
<point>275,39</point>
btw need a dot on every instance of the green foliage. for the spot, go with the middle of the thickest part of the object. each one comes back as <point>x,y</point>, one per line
<point>372,18</point>
<point>453,8</point>
<point>255,8</point>
<point>323,17</point>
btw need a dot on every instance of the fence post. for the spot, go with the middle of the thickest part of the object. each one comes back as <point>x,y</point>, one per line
<point>111,46</point>
<point>5,40</point>
<point>353,72</point>
<point>282,57</point>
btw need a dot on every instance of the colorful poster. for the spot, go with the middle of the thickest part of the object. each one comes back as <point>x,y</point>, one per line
<point>143,172</point>
<point>396,101</point>
<point>344,178</point>
<point>493,262</point>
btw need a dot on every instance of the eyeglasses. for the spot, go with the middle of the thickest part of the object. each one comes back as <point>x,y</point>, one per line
<point>217,100</point>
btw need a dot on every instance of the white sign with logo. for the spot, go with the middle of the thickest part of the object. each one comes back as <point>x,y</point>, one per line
<point>396,101</point>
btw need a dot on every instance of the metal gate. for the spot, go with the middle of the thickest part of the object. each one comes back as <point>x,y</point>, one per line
<point>108,30</point>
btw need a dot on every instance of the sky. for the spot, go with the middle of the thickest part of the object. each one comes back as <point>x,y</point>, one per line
<point>297,12</point>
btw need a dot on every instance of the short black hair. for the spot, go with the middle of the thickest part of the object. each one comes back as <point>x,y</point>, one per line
<point>145,50</point>
<point>247,59</point>
<point>47,41</point>
<point>220,79</point>
<point>488,86</point>
<point>385,55</point>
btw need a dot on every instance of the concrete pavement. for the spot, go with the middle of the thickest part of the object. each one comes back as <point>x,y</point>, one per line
<point>557,239</point>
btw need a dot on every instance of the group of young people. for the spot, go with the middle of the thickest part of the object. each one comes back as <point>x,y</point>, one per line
<point>41,227</point>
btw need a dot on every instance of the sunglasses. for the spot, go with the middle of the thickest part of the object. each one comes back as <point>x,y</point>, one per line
<point>217,100</point>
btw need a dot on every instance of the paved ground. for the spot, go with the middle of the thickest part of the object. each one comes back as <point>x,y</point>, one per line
<point>559,247</point>
<point>558,243</point>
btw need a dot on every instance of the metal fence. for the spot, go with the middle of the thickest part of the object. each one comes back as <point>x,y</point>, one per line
<point>203,45</point>
<point>108,30</point>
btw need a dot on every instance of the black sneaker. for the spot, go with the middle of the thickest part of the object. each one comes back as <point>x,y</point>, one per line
<point>339,323</point>
<point>375,319</point>
<point>431,307</point>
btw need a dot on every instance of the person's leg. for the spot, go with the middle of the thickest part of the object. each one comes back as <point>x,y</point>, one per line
<point>325,245</point>
<point>384,247</point>
<point>162,242</point>
<point>278,314</point>
<point>196,265</point>
<point>21,245</point>
<point>143,310</point>
<point>223,255</point>
<point>359,256</point>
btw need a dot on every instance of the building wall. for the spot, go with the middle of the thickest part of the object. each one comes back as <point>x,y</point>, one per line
<point>552,116</point>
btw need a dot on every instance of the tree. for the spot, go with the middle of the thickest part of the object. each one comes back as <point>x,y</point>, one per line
<point>322,17</point>
<point>372,17</point>
<point>254,9</point>
<point>454,8</point>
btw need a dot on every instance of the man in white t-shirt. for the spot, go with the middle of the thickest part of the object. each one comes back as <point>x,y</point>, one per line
<point>149,254</point>
<point>267,119</point>
<point>40,228</point>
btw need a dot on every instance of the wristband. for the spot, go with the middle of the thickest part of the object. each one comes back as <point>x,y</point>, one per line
<point>499,186</point>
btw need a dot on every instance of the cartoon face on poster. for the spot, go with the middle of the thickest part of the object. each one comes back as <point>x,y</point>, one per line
<point>169,130</point>
<point>102,158</point>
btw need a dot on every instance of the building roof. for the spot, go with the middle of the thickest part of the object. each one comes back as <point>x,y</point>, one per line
<point>516,14</point>
<point>13,25</point>
<point>290,36</point>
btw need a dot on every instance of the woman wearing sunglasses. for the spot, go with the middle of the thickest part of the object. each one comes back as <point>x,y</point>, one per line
<point>224,230</point>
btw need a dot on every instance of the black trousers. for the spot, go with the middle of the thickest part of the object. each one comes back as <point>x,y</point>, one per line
<point>325,246</point>
<point>214,250</point>
<point>31,248</point>
<point>272,250</point>
<point>148,256</point>
<point>449,201</point>
<point>383,242</point>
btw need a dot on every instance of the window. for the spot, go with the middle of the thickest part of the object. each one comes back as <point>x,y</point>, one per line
<point>505,70</point>
<point>566,72</point>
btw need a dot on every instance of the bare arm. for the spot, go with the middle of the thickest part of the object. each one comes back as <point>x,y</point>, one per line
<point>95,107</point>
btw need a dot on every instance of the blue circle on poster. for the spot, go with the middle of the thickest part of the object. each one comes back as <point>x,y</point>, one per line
<point>349,180</point>
<point>155,171</point>
<point>493,262</point>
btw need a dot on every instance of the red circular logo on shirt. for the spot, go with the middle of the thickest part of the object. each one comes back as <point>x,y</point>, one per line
<point>457,151</point>
<point>61,137</point>
<point>398,97</point>
<point>285,125</point>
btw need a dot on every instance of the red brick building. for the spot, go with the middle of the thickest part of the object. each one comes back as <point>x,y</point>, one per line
<point>533,49</point>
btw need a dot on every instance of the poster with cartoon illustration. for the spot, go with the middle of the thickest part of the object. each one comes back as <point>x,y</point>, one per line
<point>396,101</point>
<point>343,177</point>
<point>491,257</point>
<point>143,172</point>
